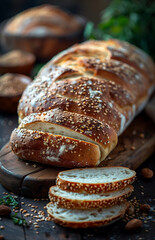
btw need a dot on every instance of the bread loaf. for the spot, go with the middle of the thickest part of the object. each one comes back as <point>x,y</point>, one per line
<point>90,197</point>
<point>42,21</point>
<point>73,200</point>
<point>43,30</point>
<point>95,180</point>
<point>89,93</point>
<point>77,218</point>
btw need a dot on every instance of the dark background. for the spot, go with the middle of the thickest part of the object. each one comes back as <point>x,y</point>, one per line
<point>89,8</point>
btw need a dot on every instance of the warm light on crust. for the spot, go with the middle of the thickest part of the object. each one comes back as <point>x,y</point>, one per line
<point>90,92</point>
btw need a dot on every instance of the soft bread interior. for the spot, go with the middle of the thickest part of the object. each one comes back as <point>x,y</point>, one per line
<point>84,215</point>
<point>64,131</point>
<point>84,196</point>
<point>97,175</point>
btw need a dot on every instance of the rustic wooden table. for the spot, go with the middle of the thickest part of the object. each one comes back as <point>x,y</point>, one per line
<point>144,192</point>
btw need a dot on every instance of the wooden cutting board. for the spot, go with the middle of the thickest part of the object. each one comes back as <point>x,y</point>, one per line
<point>30,179</point>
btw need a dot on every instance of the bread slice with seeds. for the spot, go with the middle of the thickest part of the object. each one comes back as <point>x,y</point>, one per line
<point>72,126</point>
<point>53,149</point>
<point>86,201</point>
<point>85,218</point>
<point>95,180</point>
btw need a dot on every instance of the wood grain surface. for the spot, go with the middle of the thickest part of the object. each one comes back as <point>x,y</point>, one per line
<point>144,193</point>
<point>29,179</point>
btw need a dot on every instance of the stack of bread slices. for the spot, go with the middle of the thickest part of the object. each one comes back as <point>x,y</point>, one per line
<point>90,197</point>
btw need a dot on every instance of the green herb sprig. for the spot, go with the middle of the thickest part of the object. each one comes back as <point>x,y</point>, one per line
<point>129,20</point>
<point>9,201</point>
<point>12,201</point>
<point>18,220</point>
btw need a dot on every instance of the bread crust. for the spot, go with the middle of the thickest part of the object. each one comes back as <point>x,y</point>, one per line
<point>92,188</point>
<point>87,224</point>
<point>86,204</point>
<point>118,50</point>
<point>93,91</point>
<point>117,82</point>
<point>77,125</point>
<point>133,56</point>
<point>53,149</point>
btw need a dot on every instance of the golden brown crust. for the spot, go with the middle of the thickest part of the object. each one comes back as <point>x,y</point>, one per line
<point>133,56</point>
<point>53,149</point>
<point>87,224</point>
<point>121,51</point>
<point>95,98</point>
<point>120,73</point>
<point>90,129</point>
<point>90,87</point>
<point>86,204</point>
<point>93,188</point>
<point>126,86</point>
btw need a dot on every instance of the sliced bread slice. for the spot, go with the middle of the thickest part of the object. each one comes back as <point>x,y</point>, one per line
<point>84,218</point>
<point>86,201</point>
<point>95,180</point>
